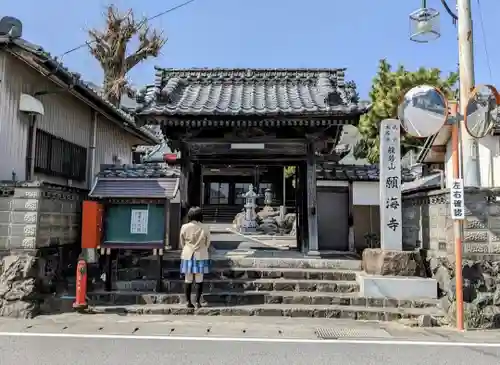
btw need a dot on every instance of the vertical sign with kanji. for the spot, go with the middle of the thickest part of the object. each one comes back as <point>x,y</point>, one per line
<point>457,199</point>
<point>391,236</point>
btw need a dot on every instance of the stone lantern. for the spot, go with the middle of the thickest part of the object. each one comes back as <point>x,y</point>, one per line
<point>268,197</point>
<point>249,223</point>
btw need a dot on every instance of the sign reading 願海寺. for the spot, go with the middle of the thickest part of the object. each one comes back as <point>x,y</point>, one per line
<point>391,236</point>
<point>457,199</point>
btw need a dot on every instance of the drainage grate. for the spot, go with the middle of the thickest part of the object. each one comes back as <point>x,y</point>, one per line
<point>335,333</point>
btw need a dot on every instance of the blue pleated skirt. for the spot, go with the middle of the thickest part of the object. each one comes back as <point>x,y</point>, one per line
<point>193,266</point>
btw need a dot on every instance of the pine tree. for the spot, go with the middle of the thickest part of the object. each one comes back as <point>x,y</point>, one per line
<point>387,90</point>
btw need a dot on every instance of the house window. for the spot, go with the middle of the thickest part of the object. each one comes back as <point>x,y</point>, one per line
<point>239,190</point>
<point>262,191</point>
<point>57,157</point>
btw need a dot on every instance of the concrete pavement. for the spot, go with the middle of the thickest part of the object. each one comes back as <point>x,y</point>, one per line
<point>418,121</point>
<point>130,351</point>
<point>236,329</point>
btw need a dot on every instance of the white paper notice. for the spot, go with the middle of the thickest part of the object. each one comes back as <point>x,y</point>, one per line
<point>391,234</point>
<point>457,199</point>
<point>139,221</point>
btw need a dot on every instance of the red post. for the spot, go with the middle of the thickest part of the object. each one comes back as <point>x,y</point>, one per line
<point>81,286</point>
<point>457,225</point>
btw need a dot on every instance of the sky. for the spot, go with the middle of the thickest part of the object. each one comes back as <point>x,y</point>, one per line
<point>354,34</point>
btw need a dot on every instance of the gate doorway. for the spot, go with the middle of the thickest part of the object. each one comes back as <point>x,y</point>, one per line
<point>223,187</point>
<point>253,117</point>
<point>333,219</point>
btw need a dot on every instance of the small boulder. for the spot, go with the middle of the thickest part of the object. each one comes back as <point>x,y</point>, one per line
<point>293,232</point>
<point>238,220</point>
<point>288,222</point>
<point>267,212</point>
<point>426,320</point>
<point>18,290</point>
<point>376,261</point>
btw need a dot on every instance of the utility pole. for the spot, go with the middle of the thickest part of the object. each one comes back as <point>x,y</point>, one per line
<point>470,161</point>
<point>462,141</point>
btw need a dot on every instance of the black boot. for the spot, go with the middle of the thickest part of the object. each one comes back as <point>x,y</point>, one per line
<point>187,294</point>
<point>199,292</point>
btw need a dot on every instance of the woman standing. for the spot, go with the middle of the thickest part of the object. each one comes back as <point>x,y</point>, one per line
<point>195,243</point>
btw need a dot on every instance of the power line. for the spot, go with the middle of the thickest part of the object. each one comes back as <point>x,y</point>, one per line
<point>140,24</point>
<point>481,21</point>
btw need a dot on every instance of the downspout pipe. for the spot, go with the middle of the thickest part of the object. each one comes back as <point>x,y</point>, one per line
<point>30,155</point>
<point>92,146</point>
<point>90,254</point>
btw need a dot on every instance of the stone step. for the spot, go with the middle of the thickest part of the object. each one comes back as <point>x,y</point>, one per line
<point>171,259</point>
<point>317,311</point>
<point>177,286</point>
<point>242,273</point>
<point>222,298</point>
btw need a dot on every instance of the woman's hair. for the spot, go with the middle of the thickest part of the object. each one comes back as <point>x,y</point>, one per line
<point>195,214</point>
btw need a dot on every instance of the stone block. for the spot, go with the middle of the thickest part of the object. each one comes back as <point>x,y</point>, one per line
<point>401,288</point>
<point>18,292</point>
<point>377,261</point>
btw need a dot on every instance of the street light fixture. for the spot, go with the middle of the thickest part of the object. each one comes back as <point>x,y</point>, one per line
<point>424,24</point>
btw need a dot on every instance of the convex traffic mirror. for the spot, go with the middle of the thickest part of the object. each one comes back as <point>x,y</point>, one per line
<point>423,111</point>
<point>482,111</point>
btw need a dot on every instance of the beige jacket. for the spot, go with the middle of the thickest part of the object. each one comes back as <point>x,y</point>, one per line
<point>195,241</point>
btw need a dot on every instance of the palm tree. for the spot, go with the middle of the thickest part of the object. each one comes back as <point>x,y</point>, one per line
<point>109,47</point>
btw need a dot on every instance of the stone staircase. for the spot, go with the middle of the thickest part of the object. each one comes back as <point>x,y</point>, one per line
<point>324,288</point>
<point>220,213</point>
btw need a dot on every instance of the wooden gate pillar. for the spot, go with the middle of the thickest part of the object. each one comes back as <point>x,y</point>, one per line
<point>312,215</point>
<point>301,199</point>
<point>184,180</point>
<point>195,185</point>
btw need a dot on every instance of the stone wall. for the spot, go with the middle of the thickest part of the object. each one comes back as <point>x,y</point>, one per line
<point>427,222</point>
<point>427,225</point>
<point>39,243</point>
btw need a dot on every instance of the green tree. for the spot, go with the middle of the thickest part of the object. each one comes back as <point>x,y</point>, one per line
<point>289,171</point>
<point>386,92</point>
<point>109,48</point>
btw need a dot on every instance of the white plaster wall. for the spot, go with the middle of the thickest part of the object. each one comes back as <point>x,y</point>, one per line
<point>448,166</point>
<point>365,193</point>
<point>488,153</point>
<point>330,183</point>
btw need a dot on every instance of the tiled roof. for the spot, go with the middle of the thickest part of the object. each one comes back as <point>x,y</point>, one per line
<point>161,188</point>
<point>150,170</point>
<point>155,181</point>
<point>333,171</point>
<point>55,67</point>
<point>434,181</point>
<point>250,92</point>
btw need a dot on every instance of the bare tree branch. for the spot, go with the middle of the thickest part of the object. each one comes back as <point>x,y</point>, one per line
<point>150,45</point>
<point>109,48</point>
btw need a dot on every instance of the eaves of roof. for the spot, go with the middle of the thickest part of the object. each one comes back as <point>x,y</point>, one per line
<point>51,68</point>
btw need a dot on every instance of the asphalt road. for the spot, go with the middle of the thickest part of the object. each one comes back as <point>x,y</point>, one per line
<point>88,351</point>
<point>419,121</point>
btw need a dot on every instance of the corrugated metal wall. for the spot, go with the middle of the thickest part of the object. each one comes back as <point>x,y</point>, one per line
<point>65,117</point>
<point>13,124</point>
<point>112,141</point>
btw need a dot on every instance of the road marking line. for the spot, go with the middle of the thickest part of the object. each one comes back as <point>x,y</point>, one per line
<point>250,339</point>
